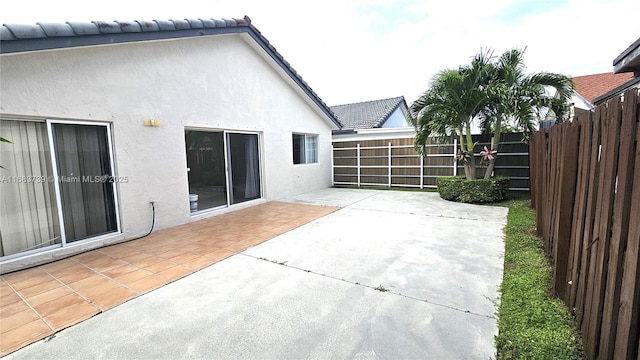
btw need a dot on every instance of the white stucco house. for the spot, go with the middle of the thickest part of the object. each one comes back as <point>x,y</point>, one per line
<point>373,114</point>
<point>374,119</point>
<point>118,125</point>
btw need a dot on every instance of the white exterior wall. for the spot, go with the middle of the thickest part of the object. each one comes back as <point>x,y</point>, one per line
<point>214,82</point>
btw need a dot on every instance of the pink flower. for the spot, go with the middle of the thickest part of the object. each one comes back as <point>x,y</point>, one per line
<point>488,154</point>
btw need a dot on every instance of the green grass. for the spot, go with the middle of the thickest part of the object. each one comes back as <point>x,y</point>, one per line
<point>532,324</point>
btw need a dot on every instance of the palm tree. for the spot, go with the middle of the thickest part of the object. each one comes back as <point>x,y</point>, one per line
<point>519,100</point>
<point>448,107</point>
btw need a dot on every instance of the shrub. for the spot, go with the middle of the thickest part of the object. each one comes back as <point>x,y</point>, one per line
<point>456,188</point>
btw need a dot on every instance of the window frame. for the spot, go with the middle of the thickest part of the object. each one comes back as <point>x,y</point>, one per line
<point>308,149</point>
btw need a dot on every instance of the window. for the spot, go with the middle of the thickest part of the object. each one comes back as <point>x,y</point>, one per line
<point>305,149</point>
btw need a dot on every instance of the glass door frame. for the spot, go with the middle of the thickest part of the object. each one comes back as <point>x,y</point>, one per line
<point>227,164</point>
<point>56,177</point>
<point>228,160</point>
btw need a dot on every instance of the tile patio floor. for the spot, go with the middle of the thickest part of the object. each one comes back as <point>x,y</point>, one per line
<point>40,301</point>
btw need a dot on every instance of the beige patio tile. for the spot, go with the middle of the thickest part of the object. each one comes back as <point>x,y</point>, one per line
<point>21,336</point>
<point>115,250</point>
<point>175,272</point>
<point>120,270</point>
<point>199,262</point>
<point>236,247</point>
<point>58,304</point>
<point>100,289</point>
<point>114,298</point>
<point>71,315</point>
<point>77,275</point>
<point>58,265</point>
<point>148,283</point>
<point>148,261</point>
<point>40,288</point>
<point>18,319</point>
<point>108,265</point>
<point>220,254</point>
<point>128,278</point>
<point>7,310</point>
<point>182,258</point>
<point>23,275</point>
<point>131,258</point>
<point>171,253</point>
<point>8,295</point>
<point>70,268</point>
<point>89,257</point>
<point>96,280</point>
<point>161,266</point>
<point>50,295</point>
<point>35,277</point>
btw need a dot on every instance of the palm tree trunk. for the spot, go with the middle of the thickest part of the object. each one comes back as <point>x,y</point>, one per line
<point>496,140</point>
<point>470,166</point>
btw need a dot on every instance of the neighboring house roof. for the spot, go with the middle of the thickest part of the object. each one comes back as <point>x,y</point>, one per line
<point>16,38</point>
<point>368,114</point>
<point>634,82</point>
<point>592,86</point>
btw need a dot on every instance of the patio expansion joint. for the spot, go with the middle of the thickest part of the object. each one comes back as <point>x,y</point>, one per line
<point>427,215</point>
<point>84,298</point>
<point>379,288</point>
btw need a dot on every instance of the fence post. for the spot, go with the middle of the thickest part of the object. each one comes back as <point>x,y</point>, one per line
<point>389,161</point>
<point>358,165</point>
<point>455,163</point>
<point>333,170</point>
<point>491,148</point>
<point>421,171</point>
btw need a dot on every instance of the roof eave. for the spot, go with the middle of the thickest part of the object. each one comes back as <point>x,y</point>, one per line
<point>13,45</point>
<point>628,60</point>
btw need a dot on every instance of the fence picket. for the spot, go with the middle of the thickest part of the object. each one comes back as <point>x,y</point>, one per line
<point>620,228</point>
<point>586,193</point>
<point>575,252</point>
<point>627,339</point>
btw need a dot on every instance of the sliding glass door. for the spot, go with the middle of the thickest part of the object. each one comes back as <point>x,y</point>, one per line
<point>28,210</point>
<point>223,168</point>
<point>207,174</point>
<point>244,173</point>
<point>85,183</point>
<point>57,185</point>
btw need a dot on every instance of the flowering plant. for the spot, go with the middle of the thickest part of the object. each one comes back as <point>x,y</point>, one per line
<point>464,156</point>
<point>488,155</point>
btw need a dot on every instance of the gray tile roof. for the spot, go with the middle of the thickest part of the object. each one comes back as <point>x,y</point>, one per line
<point>15,38</point>
<point>368,114</point>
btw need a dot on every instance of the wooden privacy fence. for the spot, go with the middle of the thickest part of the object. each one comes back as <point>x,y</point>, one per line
<point>585,178</point>
<point>395,163</point>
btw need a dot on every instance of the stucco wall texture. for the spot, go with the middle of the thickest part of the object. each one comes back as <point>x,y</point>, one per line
<point>212,82</point>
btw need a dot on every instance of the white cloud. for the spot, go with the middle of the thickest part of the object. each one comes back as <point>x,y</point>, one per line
<point>358,50</point>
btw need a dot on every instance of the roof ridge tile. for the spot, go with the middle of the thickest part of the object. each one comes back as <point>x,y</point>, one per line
<point>129,26</point>
<point>84,28</point>
<point>57,29</point>
<point>107,27</point>
<point>148,25</point>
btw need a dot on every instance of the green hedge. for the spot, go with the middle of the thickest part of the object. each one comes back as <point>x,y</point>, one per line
<point>457,188</point>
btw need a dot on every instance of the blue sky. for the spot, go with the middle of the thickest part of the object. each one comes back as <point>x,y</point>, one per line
<point>359,50</point>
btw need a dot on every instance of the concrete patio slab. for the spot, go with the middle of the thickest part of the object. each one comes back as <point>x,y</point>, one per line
<point>393,275</point>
